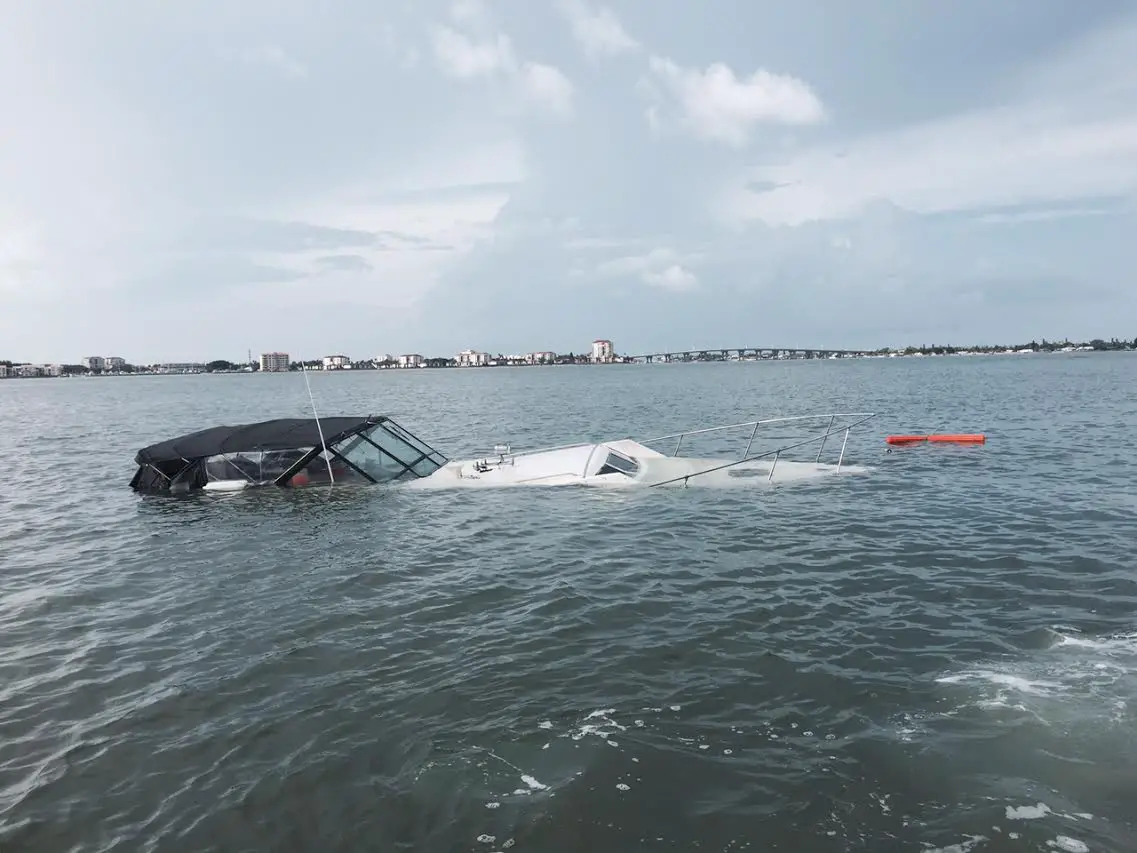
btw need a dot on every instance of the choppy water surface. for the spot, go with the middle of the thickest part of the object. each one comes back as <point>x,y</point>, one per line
<point>938,654</point>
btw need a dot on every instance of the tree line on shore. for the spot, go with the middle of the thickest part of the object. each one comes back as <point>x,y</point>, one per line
<point>225,366</point>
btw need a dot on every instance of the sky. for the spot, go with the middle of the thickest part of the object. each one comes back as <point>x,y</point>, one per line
<point>191,181</point>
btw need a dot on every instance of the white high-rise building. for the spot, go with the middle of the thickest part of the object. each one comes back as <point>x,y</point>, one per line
<point>95,363</point>
<point>274,362</point>
<point>602,351</point>
<point>473,358</point>
<point>113,362</point>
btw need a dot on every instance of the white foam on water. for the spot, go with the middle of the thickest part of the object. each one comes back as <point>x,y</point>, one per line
<point>533,784</point>
<point>1071,845</point>
<point>1076,679</point>
<point>970,842</point>
<point>1114,646</point>
<point>1016,683</point>
<point>1040,810</point>
<point>530,781</point>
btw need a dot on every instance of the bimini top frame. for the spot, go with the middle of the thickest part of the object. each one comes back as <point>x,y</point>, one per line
<point>286,452</point>
<point>837,422</point>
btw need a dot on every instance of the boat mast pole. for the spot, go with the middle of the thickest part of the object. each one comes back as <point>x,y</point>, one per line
<point>319,428</point>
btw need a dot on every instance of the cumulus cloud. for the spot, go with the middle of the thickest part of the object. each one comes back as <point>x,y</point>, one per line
<point>467,55</point>
<point>1015,155</point>
<point>547,87</point>
<point>661,267</point>
<point>673,277</point>
<point>715,104</point>
<point>369,179</point>
<point>462,56</point>
<point>597,30</point>
<point>1061,137</point>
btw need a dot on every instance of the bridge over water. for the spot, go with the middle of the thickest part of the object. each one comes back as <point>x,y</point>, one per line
<point>739,353</point>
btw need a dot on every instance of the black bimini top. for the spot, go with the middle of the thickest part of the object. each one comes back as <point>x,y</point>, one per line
<point>287,452</point>
<point>279,434</point>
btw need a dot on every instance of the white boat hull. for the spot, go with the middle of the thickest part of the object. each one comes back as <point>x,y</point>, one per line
<point>588,465</point>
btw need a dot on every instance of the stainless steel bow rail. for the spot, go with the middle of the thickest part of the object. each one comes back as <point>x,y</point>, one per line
<point>846,425</point>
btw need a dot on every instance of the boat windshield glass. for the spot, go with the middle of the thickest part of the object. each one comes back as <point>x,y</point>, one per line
<point>618,463</point>
<point>388,453</point>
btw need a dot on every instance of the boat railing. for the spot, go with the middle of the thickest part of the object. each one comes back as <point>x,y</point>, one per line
<point>848,421</point>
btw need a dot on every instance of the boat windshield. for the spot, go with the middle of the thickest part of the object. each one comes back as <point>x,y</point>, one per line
<point>386,452</point>
<point>618,463</point>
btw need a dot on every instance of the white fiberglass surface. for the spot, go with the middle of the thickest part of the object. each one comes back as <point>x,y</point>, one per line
<point>586,465</point>
<point>709,473</point>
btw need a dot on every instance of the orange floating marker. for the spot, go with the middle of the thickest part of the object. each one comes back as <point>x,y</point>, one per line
<point>940,438</point>
<point>964,438</point>
<point>906,439</point>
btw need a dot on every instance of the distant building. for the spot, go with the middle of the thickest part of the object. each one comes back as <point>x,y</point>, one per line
<point>53,370</point>
<point>473,358</point>
<point>336,362</point>
<point>113,362</point>
<point>3,371</point>
<point>411,360</point>
<point>544,357</point>
<point>602,351</point>
<point>180,367</point>
<point>274,362</point>
<point>95,363</point>
<point>30,370</point>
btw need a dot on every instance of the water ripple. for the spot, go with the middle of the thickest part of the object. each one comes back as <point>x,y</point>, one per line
<point>938,655</point>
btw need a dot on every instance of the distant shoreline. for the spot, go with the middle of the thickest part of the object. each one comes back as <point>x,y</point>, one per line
<point>710,357</point>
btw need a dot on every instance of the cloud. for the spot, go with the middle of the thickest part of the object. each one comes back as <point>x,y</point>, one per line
<point>673,277</point>
<point>274,58</point>
<point>715,105</point>
<point>467,56</point>
<point>1062,137</point>
<point>661,267</point>
<point>1016,155</point>
<point>346,263</point>
<point>545,86</point>
<point>461,56</point>
<point>386,176</point>
<point>598,31</point>
<point>1046,214</point>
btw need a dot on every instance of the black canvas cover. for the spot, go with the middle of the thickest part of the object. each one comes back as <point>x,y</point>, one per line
<point>279,434</point>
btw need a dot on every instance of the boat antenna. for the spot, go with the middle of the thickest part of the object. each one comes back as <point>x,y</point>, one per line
<point>319,428</point>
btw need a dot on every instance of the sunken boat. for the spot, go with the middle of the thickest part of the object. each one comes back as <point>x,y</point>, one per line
<point>286,452</point>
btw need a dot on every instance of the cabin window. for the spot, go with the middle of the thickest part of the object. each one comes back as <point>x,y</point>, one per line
<point>618,463</point>
<point>316,471</point>
<point>254,466</point>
